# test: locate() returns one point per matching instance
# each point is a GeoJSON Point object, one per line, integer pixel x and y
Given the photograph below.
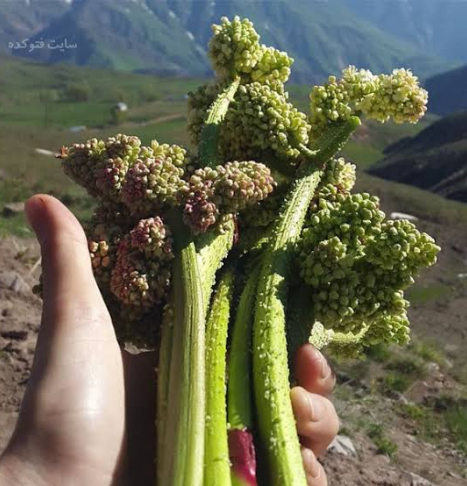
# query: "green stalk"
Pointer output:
{"type": "Point", "coordinates": [163, 376]}
{"type": "Point", "coordinates": [240, 403]}
{"type": "Point", "coordinates": [210, 251]}
{"type": "Point", "coordinates": [212, 248]}
{"type": "Point", "coordinates": [216, 460]}
{"type": "Point", "coordinates": [240, 399]}
{"type": "Point", "coordinates": [300, 319]}
{"type": "Point", "coordinates": [333, 140]}
{"type": "Point", "coordinates": [209, 145]}
{"type": "Point", "coordinates": [270, 367]}
{"type": "Point", "coordinates": [181, 402]}
{"type": "Point", "coordinates": [185, 419]}
{"type": "Point", "coordinates": [270, 361]}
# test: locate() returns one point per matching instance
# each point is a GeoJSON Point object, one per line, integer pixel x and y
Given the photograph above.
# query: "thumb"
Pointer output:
{"type": "Point", "coordinates": [73, 304]}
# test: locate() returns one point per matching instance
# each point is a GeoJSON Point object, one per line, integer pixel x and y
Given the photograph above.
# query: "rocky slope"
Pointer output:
{"type": "Point", "coordinates": [435, 159]}
{"type": "Point", "coordinates": [447, 91]}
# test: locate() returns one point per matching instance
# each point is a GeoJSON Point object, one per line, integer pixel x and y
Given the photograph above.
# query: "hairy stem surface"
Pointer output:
{"type": "Point", "coordinates": [216, 460]}
{"type": "Point", "coordinates": [185, 418]}
{"type": "Point", "coordinates": [270, 359]}
{"type": "Point", "coordinates": [240, 404]}
{"type": "Point", "coordinates": [209, 144]}
{"type": "Point", "coordinates": [240, 399]}
{"type": "Point", "coordinates": [163, 377]}
{"type": "Point", "coordinates": [271, 374]}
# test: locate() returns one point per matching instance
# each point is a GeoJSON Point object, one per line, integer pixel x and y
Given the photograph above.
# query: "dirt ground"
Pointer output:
{"type": "Point", "coordinates": [417, 461]}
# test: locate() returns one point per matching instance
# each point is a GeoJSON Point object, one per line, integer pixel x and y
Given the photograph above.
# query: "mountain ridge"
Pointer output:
{"type": "Point", "coordinates": [434, 160]}
{"type": "Point", "coordinates": [447, 91]}
{"type": "Point", "coordinates": [170, 36]}
{"type": "Point", "coordinates": [436, 26]}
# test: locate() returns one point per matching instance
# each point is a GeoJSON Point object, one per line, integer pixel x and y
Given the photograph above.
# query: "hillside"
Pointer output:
{"type": "Point", "coordinates": [62, 96]}
{"type": "Point", "coordinates": [448, 93]}
{"type": "Point", "coordinates": [435, 159]}
{"type": "Point", "coordinates": [20, 19]}
{"type": "Point", "coordinates": [436, 26]}
{"type": "Point", "coordinates": [170, 36]}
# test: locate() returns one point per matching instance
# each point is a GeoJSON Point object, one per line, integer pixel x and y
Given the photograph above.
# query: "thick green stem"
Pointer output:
{"type": "Point", "coordinates": [270, 361]}
{"type": "Point", "coordinates": [271, 374]}
{"type": "Point", "coordinates": [212, 248]}
{"type": "Point", "coordinates": [185, 419]}
{"type": "Point", "coordinates": [300, 318]}
{"type": "Point", "coordinates": [163, 377]}
{"type": "Point", "coordinates": [240, 399]}
{"type": "Point", "coordinates": [332, 140]}
{"type": "Point", "coordinates": [177, 332]}
{"type": "Point", "coordinates": [240, 402]}
{"type": "Point", "coordinates": [209, 144]}
{"type": "Point", "coordinates": [181, 403]}
{"type": "Point", "coordinates": [216, 460]}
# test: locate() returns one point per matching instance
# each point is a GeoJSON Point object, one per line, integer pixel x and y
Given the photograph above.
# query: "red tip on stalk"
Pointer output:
{"type": "Point", "coordinates": [242, 456]}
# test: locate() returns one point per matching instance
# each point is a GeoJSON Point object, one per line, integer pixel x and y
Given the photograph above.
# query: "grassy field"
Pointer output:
{"type": "Point", "coordinates": [38, 106]}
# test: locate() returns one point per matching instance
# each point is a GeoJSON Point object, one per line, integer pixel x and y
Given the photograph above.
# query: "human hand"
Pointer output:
{"type": "Point", "coordinates": [87, 417]}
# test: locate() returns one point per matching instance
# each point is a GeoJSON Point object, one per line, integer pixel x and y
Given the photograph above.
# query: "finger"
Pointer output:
{"type": "Point", "coordinates": [315, 474]}
{"type": "Point", "coordinates": [316, 419]}
{"type": "Point", "coordinates": [77, 352]}
{"type": "Point", "coordinates": [313, 371]}
{"type": "Point", "coordinates": [73, 304]}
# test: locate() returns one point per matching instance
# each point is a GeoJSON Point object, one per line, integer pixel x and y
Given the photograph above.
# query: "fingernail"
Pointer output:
{"type": "Point", "coordinates": [310, 463]}
{"type": "Point", "coordinates": [35, 214]}
{"type": "Point", "coordinates": [325, 369]}
{"type": "Point", "coordinates": [317, 409]}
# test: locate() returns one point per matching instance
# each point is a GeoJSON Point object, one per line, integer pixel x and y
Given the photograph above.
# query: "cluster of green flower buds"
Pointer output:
{"type": "Point", "coordinates": [340, 174]}
{"type": "Point", "coordinates": [273, 67]}
{"type": "Point", "coordinates": [262, 119]}
{"type": "Point", "coordinates": [235, 50]}
{"type": "Point", "coordinates": [225, 190]}
{"type": "Point", "coordinates": [234, 47]}
{"type": "Point", "coordinates": [358, 265]}
{"type": "Point", "coordinates": [199, 102]}
{"type": "Point", "coordinates": [397, 96]}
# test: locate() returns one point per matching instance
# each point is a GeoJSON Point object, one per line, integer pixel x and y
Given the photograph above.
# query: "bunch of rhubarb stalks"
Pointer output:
{"type": "Point", "coordinates": [228, 256]}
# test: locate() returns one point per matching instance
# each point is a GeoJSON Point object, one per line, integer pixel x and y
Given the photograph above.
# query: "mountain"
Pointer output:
{"type": "Point", "coordinates": [436, 26]}
{"type": "Point", "coordinates": [21, 19]}
{"type": "Point", "coordinates": [170, 36]}
{"type": "Point", "coordinates": [448, 93]}
{"type": "Point", "coordinates": [435, 159]}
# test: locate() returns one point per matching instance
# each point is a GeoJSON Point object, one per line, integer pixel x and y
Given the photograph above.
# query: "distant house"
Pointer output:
{"type": "Point", "coordinates": [122, 107]}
